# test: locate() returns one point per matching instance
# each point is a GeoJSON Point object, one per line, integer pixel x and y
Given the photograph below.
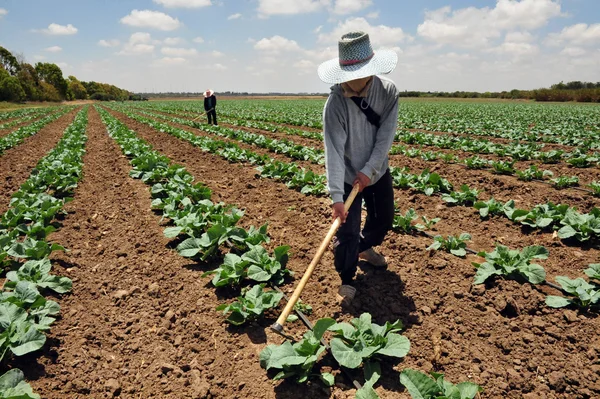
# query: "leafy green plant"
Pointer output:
{"type": "Point", "coordinates": [449, 158]}
{"type": "Point", "coordinates": [427, 223]}
{"type": "Point", "coordinates": [492, 207]}
{"type": "Point", "coordinates": [297, 360]}
{"type": "Point", "coordinates": [263, 268]}
{"type": "Point", "coordinates": [593, 271]}
{"type": "Point", "coordinates": [512, 263]}
{"type": "Point", "coordinates": [553, 156]}
{"type": "Point", "coordinates": [543, 215]}
{"type": "Point", "coordinates": [477, 163]}
{"type": "Point", "coordinates": [251, 305]}
{"type": "Point", "coordinates": [255, 264]}
{"type": "Point", "coordinates": [362, 341]}
{"type": "Point", "coordinates": [595, 187]}
{"type": "Point", "coordinates": [38, 273]}
{"type": "Point", "coordinates": [582, 160]}
{"type": "Point", "coordinates": [455, 245]}
{"type": "Point", "coordinates": [503, 167]}
{"type": "Point", "coordinates": [565, 181]}
{"type": "Point", "coordinates": [584, 294]}
{"type": "Point", "coordinates": [580, 226]}
{"type": "Point", "coordinates": [466, 195]}
{"type": "Point", "coordinates": [420, 386]}
{"type": "Point", "coordinates": [404, 223]}
{"type": "Point", "coordinates": [13, 386]}
{"type": "Point", "coordinates": [18, 334]}
{"type": "Point", "coordinates": [533, 172]}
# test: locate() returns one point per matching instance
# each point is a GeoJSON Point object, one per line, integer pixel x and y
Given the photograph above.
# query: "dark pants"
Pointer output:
{"type": "Point", "coordinates": [212, 116]}
{"type": "Point", "coordinates": [350, 241]}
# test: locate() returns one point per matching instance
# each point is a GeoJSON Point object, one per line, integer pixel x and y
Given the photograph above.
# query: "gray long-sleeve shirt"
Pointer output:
{"type": "Point", "coordinates": [352, 143]}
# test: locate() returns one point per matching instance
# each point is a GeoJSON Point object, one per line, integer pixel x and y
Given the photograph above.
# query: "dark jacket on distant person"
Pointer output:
{"type": "Point", "coordinates": [210, 102]}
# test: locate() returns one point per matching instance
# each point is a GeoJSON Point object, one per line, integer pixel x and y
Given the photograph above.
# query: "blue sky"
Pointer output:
{"type": "Point", "coordinates": [276, 45]}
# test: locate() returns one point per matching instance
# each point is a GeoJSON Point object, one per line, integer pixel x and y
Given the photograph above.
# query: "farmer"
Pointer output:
{"type": "Point", "coordinates": [210, 103]}
{"type": "Point", "coordinates": [359, 124]}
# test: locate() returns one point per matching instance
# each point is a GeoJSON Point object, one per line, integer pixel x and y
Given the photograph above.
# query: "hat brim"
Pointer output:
{"type": "Point", "coordinates": [383, 61]}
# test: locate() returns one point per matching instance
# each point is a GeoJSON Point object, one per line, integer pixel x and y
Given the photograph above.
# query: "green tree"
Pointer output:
{"type": "Point", "coordinates": [10, 88]}
{"type": "Point", "coordinates": [30, 82]}
{"type": "Point", "coordinates": [9, 62]}
{"type": "Point", "coordinates": [52, 74]}
{"type": "Point", "coordinates": [76, 90]}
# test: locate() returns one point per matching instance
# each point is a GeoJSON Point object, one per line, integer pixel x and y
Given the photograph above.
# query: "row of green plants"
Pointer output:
{"type": "Point", "coordinates": [22, 112]}
{"type": "Point", "coordinates": [306, 181]}
{"type": "Point", "coordinates": [32, 114]}
{"type": "Point", "coordinates": [35, 209]}
{"type": "Point", "coordinates": [256, 266]}
{"type": "Point", "coordinates": [286, 147]}
{"type": "Point", "coordinates": [17, 137]}
{"type": "Point", "coordinates": [516, 150]}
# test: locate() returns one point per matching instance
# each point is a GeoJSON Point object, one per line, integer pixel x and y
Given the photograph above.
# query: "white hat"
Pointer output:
{"type": "Point", "coordinates": [357, 60]}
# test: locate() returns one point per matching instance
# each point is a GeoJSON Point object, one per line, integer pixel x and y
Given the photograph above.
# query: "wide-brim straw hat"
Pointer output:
{"type": "Point", "coordinates": [208, 93]}
{"type": "Point", "coordinates": [357, 60]}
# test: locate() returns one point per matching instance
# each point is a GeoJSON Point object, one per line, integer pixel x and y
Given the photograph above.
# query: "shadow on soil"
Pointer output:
{"type": "Point", "coordinates": [380, 292]}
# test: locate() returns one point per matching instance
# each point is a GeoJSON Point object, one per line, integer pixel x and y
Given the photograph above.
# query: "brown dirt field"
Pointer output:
{"type": "Point", "coordinates": [17, 163]}
{"type": "Point", "coordinates": [162, 338]}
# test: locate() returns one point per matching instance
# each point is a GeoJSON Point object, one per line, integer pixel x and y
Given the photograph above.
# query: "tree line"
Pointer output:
{"type": "Point", "coordinates": [562, 92]}
{"type": "Point", "coordinates": [44, 81]}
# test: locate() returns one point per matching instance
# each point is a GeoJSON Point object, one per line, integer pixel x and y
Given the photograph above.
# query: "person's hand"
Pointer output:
{"type": "Point", "coordinates": [338, 210]}
{"type": "Point", "coordinates": [362, 180]}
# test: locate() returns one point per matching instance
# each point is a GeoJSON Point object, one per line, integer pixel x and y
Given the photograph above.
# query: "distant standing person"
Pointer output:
{"type": "Point", "coordinates": [359, 124]}
{"type": "Point", "coordinates": [210, 103]}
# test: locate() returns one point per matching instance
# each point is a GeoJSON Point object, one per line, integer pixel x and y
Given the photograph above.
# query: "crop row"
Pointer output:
{"type": "Point", "coordinates": [17, 137]}
{"type": "Point", "coordinates": [23, 112]}
{"type": "Point", "coordinates": [25, 313]}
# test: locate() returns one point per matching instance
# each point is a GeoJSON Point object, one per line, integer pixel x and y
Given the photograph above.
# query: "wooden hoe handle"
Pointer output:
{"type": "Point", "coordinates": [278, 326]}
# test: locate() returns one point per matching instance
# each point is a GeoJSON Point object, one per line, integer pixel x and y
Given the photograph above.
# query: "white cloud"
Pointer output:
{"type": "Point", "coordinates": [139, 43]}
{"type": "Point", "coordinates": [170, 61]}
{"type": "Point", "coordinates": [475, 27]}
{"type": "Point", "coordinates": [286, 7]}
{"type": "Point", "coordinates": [234, 16]}
{"type": "Point", "coordinates": [276, 44]}
{"type": "Point", "coordinates": [53, 49]}
{"type": "Point", "coordinates": [573, 51]}
{"type": "Point", "coordinates": [373, 15]}
{"type": "Point", "coordinates": [516, 49]}
{"type": "Point", "coordinates": [178, 51]}
{"type": "Point", "coordinates": [59, 30]}
{"type": "Point", "coordinates": [579, 35]}
{"type": "Point", "coordinates": [63, 65]}
{"type": "Point", "coordinates": [108, 43]}
{"type": "Point", "coordinates": [173, 41]}
{"type": "Point", "coordinates": [184, 3]}
{"type": "Point", "coordinates": [3, 12]}
{"type": "Point", "coordinates": [217, 54]}
{"type": "Point", "coordinates": [151, 19]}
{"type": "Point", "coordinates": [519, 37]}
{"type": "Point", "coordinates": [198, 40]}
{"type": "Point", "coordinates": [342, 7]}
{"type": "Point", "coordinates": [380, 35]}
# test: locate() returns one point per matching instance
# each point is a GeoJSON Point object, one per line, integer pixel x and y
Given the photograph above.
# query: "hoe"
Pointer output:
{"type": "Point", "coordinates": [278, 326]}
